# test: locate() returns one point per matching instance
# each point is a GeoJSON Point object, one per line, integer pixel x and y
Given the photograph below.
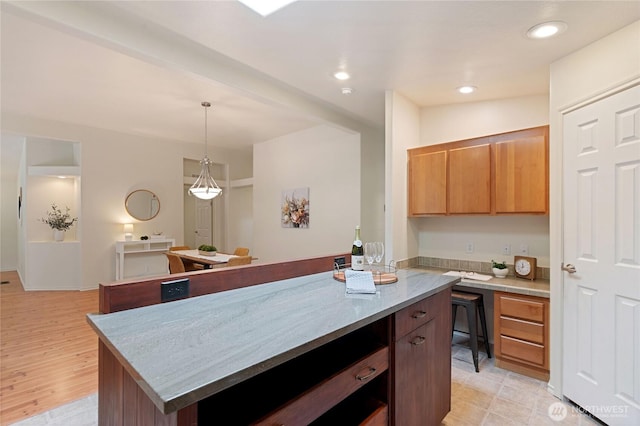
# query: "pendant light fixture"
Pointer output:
{"type": "Point", "coordinates": [205, 187]}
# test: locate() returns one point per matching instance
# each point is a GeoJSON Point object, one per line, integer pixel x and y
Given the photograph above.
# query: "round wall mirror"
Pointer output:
{"type": "Point", "coordinates": [142, 204]}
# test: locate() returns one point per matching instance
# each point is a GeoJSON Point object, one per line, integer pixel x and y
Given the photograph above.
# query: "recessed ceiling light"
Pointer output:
{"type": "Point", "coordinates": [342, 75]}
{"type": "Point", "coordinates": [265, 7]}
{"type": "Point", "coordinates": [467, 89]}
{"type": "Point", "coordinates": [547, 29]}
{"type": "Point", "coordinates": [346, 90]}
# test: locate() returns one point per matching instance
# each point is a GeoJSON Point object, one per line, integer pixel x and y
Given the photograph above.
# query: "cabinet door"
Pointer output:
{"type": "Point", "coordinates": [422, 367]}
{"type": "Point", "coordinates": [470, 179]}
{"type": "Point", "coordinates": [428, 183]}
{"type": "Point", "coordinates": [413, 382]}
{"type": "Point", "coordinates": [521, 184]}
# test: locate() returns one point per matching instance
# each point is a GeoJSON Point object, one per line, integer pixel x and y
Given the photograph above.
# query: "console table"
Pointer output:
{"type": "Point", "coordinates": [150, 246]}
{"type": "Point", "coordinates": [295, 350]}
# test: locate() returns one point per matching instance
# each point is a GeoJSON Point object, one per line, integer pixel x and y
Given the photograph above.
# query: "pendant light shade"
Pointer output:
{"type": "Point", "coordinates": [205, 187]}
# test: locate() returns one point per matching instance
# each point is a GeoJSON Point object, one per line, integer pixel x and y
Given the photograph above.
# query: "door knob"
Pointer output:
{"type": "Point", "coordinates": [569, 268]}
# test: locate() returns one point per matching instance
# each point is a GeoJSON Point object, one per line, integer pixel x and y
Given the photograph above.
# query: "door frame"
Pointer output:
{"type": "Point", "coordinates": [556, 228]}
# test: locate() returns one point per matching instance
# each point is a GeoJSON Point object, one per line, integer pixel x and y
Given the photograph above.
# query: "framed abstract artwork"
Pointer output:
{"type": "Point", "coordinates": [295, 208]}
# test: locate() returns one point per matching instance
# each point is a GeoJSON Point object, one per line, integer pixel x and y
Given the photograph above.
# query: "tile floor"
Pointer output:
{"type": "Point", "coordinates": [491, 397]}
{"type": "Point", "coordinates": [499, 397]}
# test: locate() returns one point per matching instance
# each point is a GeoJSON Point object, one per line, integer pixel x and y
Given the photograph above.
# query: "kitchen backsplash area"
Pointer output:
{"type": "Point", "coordinates": [462, 265]}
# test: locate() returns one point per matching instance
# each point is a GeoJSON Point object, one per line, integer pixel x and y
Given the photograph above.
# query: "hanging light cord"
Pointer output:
{"type": "Point", "coordinates": [206, 106]}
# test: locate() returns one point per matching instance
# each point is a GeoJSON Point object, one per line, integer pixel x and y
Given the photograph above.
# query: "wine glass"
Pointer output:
{"type": "Point", "coordinates": [369, 253]}
{"type": "Point", "coordinates": [379, 251]}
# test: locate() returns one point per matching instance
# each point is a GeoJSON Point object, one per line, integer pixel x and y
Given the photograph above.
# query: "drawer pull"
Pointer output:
{"type": "Point", "coordinates": [418, 340]}
{"type": "Point", "coordinates": [418, 314]}
{"type": "Point", "coordinates": [371, 372]}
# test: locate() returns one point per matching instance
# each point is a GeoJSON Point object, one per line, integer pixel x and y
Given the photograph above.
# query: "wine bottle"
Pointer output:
{"type": "Point", "coordinates": [357, 252]}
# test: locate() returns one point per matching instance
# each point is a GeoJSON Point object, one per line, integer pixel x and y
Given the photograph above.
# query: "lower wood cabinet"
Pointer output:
{"type": "Point", "coordinates": [422, 362]}
{"type": "Point", "coordinates": [521, 328]}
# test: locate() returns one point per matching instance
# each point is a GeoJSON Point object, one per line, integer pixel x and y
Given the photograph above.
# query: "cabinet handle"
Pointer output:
{"type": "Point", "coordinates": [418, 340]}
{"type": "Point", "coordinates": [371, 372]}
{"type": "Point", "coordinates": [418, 314]}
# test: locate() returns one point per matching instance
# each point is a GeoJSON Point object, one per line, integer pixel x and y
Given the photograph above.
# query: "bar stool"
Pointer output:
{"type": "Point", "coordinates": [474, 305]}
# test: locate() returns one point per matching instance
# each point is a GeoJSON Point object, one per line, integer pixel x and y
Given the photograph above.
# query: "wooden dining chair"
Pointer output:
{"type": "Point", "coordinates": [189, 265]}
{"type": "Point", "coordinates": [241, 251]}
{"type": "Point", "coordinates": [175, 263]}
{"type": "Point", "coordinates": [239, 260]}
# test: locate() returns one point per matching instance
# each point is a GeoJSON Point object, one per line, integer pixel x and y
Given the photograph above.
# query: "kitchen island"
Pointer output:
{"type": "Point", "coordinates": [290, 351]}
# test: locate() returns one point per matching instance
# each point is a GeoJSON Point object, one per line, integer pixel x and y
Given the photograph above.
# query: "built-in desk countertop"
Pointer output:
{"type": "Point", "coordinates": [537, 287]}
{"type": "Point", "coordinates": [183, 351]}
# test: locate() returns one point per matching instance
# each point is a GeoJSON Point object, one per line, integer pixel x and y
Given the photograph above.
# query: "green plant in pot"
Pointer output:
{"type": "Point", "coordinates": [207, 250]}
{"type": "Point", "coordinates": [500, 269]}
{"type": "Point", "coordinates": [59, 221]}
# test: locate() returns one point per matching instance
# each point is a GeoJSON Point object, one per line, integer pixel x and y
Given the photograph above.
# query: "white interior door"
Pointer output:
{"type": "Point", "coordinates": [203, 221]}
{"type": "Point", "coordinates": [601, 226]}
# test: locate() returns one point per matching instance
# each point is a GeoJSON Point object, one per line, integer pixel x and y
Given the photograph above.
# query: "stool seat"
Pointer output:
{"type": "Point", "coordinates": [474, 307]}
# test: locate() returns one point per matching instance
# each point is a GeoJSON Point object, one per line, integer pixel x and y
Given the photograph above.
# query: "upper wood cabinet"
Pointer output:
{"type": "Point", "coordinates": [522, 171]}
{"type": "Point", "coordinates": [428, 183]}
{"type": "Point", "coordinates": [506, 173]}
{"type": "Point", "coordinates": [470, 179]}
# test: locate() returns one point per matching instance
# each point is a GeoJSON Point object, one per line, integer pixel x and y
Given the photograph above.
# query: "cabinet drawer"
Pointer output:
{"type": "Point", "coordinates": [520, 329]}
{"type": "Point", "coordinates": [420, 313]}
{"type": "Point", "coordinates": [325, 395]}
{"type": "Point", "coordinates": [522, 351]}
{"type": "Point", "coordinates": [523, 308]}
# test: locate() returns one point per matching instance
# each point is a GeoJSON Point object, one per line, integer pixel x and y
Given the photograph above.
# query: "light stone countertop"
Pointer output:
{"type": "Point", "coordinates": [509, 284]}
{"type": "Point", "coordinates": [183, 351]}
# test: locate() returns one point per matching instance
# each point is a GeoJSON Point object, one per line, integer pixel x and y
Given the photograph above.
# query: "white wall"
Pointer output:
{"type": "Point", "coordinates": [592, 71]}
{"type": "Point", "coordinates": [402, 132]}
{"type": "Point", "coordinates": [446, 237]}
{"type": "Point", "coordinates": [448, 123]}
{"type": "Point", "coordinates": [372, 184]}
{"type": "Point", "coordinates": [113, 165]}
{"type": "Point", "coordinates": [240, 225]}
{"type": "Point", "coordinates": [327, 161]}
{"type": "Point", "coordinates": [10, 152]}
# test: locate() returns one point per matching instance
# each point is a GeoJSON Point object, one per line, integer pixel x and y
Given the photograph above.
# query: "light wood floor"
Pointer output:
{"type": "Point", "coordinates": [48, 352]}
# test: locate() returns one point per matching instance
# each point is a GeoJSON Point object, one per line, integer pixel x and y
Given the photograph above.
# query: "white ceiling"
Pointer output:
{"type": "Point", "coordinates": [422, 49]}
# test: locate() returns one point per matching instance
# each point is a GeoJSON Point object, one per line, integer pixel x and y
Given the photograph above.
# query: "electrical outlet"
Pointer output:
{"type": "Point", "coordinates": [506, 249]}
{"type": "Point", "coordinates": [173, 290]}
{"type": "Point", "coordinates": [469, 248]}
{"type": "Point", "coordinates": [524, 249]}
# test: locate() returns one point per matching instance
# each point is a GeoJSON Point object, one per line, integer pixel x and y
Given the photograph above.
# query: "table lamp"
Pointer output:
{"type": "Point", "coordinates": [128, 231]}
